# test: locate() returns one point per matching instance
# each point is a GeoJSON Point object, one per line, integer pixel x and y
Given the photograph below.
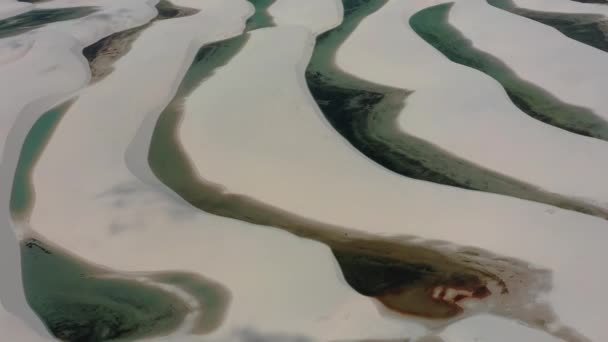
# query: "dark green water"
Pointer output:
{"type": "Point", "coordinates": [587, 28]}
{"type": "Point", "coordinates": [432, 25]}
{"type": "Point", "coordinates": [37, 18]}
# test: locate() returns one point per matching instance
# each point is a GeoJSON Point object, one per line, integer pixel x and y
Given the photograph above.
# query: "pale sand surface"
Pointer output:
{"type": "Point", "coordinates": [456, 108]}
{"type": "Point", "coordinates": [295, 161]}
{"type": "Point", "coordinates": [88, 202]}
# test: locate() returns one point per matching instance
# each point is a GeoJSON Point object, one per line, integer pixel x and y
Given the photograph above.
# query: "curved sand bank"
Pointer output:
{"type": "Point", "coordinates": [277, 139]}
{"type": "Point", "coordinates": [432, 25]}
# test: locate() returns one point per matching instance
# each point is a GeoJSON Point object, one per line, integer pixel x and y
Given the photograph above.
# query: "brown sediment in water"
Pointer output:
{"type": "Point", "coordinates": [105, 52]}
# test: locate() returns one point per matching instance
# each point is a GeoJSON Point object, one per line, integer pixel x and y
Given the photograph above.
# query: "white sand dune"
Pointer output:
{"type": "Point", "coordinates": [294, 160]}
{"type": "Point", "coordinates": [89, 202]}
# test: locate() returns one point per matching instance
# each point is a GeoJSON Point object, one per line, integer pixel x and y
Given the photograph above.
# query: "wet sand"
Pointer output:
{"type": "Point", "coordinates": [37, 18]}
{"type": "Point", "coordinates": [401, 273]}
{"type": "Point", "coordinates": [105, 52]}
